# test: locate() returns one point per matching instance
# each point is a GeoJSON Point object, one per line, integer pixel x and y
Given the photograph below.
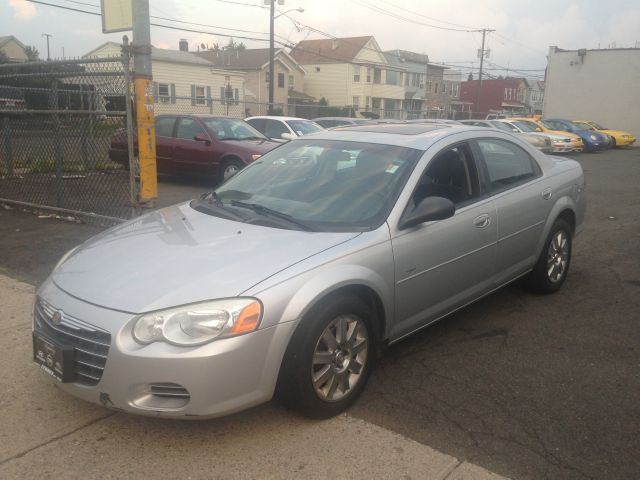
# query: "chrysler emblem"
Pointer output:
{"type": "Point", "coordinates": [56, 318]}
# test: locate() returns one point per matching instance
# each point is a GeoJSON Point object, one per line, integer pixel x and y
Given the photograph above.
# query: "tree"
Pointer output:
{"type": "Point", "coordinates": [233, 46]}
{"type": "Point", "coordinates": [3, 57]}
{"type": "Point", "coordinates": [32, 53]}
{"type": "Point", "coordinates": [470, 77]}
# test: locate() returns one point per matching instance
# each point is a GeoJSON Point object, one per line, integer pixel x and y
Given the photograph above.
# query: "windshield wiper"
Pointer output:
{"type": "Point", "coordinates": [266, 211]}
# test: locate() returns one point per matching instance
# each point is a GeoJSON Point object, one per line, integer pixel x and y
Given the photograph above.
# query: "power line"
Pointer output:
{"type": "Point", "coordinates": [427, 17]}
{"type": "Point", "coordinates": [410, 20]}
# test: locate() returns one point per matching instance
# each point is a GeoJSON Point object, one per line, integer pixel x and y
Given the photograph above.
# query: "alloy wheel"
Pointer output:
{"type": "Point", "coordinates": [557, 256]}
{"type": "Point", "coordinates": [339, 358]}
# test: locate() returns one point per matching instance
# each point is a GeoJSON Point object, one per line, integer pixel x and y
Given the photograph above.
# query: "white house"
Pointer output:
{"type": "Point", "coordinates": [186, 83]}
{"type": "Point", "coordinates": [352, 71]}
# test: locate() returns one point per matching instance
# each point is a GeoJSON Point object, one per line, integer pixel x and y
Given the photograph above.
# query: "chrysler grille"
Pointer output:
{"type": "Point", "coordinates": [90, 344]}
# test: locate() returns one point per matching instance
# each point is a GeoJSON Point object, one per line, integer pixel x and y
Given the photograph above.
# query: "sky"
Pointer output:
{"type": "Point", "coordinates": [524, 29]}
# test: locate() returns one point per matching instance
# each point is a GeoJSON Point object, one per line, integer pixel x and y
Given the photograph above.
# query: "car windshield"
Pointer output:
{"type": "Point", "coordinates": [231, 129]}
{"type": "Point", "coordinates": [583, 126]}
{"type": "Point", "coordinates": [326, 185]}
{"type": "Point", "coordinates": [304, 127]}
{"type": "Point", "coordinates": [526, 126]}
{"type": "Point", "coordinates": [598, 126]}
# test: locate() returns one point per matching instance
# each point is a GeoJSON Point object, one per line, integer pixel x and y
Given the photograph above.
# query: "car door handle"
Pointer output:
{"type": "Point", "coordinates": [482, 221]}
{"type": "Point", "coordinates": [547, 193]}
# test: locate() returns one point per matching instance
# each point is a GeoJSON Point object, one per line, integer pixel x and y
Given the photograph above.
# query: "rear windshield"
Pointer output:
{"type": "Point", "coordinates": [231, 129]}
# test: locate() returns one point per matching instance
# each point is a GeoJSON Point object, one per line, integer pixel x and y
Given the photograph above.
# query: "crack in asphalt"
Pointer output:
{"type": "Point", "coordinates": [56, 438]}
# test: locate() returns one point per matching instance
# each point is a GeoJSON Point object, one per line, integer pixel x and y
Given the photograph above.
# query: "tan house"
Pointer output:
{"type": "Point", "coordinates": [289, 75]}
{"type": "Point", "coordinates": [14, 49]}
{"type": "Point", "coordinates": [352, 72]}
{"type": "Point", "coordinates": [186, 83]}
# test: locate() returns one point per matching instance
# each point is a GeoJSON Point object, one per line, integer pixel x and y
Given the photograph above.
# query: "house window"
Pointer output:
{"type": "Point", "coordinates": [281, 80]}
{"type": "Point", "coordinates": [368, 75]}
{"type": "Point", "coordinates": [367, 102]}
{"type": "Point", "coordinates": [356, 102]}
{"type": "Point", "coordinates": [392, 77]}
{"type": "Point", "coordinates": [377, 75]}
{"type": "Point", "coordinates": [356, 73]}
{"type": "Point", "coordinates": [163, 93]}
{"type": "Point", "coordinates": [435, 88]}
{"type": "Point", "coordinates": [267, 77]}
{"type": "Point", "coordinates": [199, 95]}
{"type": "Point", "coordinates": [429, 86]}
{"type": "Point", "coordinates": [291, 80]}
{"type": "Point", "coordinates": [317, 69]}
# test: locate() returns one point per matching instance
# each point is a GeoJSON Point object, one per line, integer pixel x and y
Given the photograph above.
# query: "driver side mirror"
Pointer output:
{"type": "Point", "coordinates": [202, 138]}
{"type": "Point", "coordinates": [288, 136]}
{"type": "Point", "coordinates": [428, 210]}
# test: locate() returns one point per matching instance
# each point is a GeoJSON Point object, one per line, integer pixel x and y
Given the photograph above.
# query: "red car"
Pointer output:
{"type": "Point", "coordinates": [199, 145]}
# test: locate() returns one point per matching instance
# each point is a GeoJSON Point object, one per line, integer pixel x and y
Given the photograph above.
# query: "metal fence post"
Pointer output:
{"type": "Point", "coordinates": [83, 132]}
{"type": "Point", "coordinates": [8, 152]}
{"type": "Point", "coordinates": [57, 144]}
{"type": "Point", "coordinates": [133, 186]}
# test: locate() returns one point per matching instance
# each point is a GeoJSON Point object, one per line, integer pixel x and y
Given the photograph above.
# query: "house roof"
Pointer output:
{"type": "Point", "coordinates": [7, 38]}
{"type": "Point", "coordinates": [329, 50]}
{"type": "Point", "coordinates": [400, 56]}
{"type": "Point", "coordinates": [248, 59]}
{"type": "Point", "coordinates": [160, 54]}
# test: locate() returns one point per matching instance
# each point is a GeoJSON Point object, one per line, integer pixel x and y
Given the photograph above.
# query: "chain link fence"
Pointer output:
{"type": "Point", "coordinates": [56, 123]}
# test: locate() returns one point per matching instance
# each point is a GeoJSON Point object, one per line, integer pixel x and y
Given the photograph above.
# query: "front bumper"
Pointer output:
{"type": "Point", "coordinates": [219, 378]}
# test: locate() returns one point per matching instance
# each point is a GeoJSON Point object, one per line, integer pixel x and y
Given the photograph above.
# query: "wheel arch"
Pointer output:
{"type": "Point", "coordinates": [564, 208]}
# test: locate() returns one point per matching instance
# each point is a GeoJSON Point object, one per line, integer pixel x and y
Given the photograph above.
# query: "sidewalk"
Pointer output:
{"type": "Point", "coordinates": [46, 432]}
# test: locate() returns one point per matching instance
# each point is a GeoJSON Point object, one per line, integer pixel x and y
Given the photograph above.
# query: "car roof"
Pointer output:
{"type": "Point", "coordinates": [278, 117]}
{"type": "Point", "coordinates": [416, 135]}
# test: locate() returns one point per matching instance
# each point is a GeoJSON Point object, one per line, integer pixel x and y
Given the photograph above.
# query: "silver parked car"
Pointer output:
{"type": "Point", "coordinates": [293, 275]}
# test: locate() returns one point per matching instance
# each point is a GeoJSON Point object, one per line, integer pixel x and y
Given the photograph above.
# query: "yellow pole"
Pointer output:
{"type": "Point", "coordinates": [143, 90]}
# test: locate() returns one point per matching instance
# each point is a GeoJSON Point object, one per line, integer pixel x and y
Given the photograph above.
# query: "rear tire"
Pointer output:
{"type": "Point", "coordinates": [552, 266]}
{"type": "Point", "coordinates": [329, 358]}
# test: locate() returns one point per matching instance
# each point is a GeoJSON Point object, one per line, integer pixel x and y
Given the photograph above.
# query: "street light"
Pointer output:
{"type": "Point", "coordinates": [271, 46]}
{"type": "Point", "coordinates": [48, 35]}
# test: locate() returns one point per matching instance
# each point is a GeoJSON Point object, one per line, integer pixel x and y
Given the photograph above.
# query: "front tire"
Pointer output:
{"type": "Point", "coordinates": [329, 358]}
{"type": "Point", "coordinates": [229, 168]}
{"type": "Point", "coordinates": [552, 266]}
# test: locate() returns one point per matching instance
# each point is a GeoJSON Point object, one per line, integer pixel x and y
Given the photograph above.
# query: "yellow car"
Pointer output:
{"type": "Point", "coordinates": [537, 126]}
{"type": "Point", "coordinates": [620, 138]}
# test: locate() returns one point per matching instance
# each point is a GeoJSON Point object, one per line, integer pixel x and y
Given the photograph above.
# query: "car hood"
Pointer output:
{"type": "Point", "coordinates": [177, 255]}
{"type": "Point", "coordinates": [254, 146]}
{"type": "Point", "coordinates": [586, 135]}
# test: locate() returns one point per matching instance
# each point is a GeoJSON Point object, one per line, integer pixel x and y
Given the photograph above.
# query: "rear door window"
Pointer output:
{"type": "Point", "coordinates": [507, 164]}
{"type": "Point", "coordinates": [164, 126]}
{"type": "Point", "coordinates": [258, 124]}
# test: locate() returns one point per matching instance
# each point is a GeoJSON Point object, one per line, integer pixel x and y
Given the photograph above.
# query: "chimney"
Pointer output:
{"type": "Point", "coordinates": [334, 44]}
{"type": "Point", "coordinates": [183, 45]}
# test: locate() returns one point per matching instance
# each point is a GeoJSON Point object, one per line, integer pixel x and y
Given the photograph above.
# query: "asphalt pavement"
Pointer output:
{"type": "Point", "coordinates": [526, 386]}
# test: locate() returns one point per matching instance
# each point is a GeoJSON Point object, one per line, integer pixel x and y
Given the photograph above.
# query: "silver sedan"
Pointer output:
{"type": "Point", "coordinates": [292, 276]}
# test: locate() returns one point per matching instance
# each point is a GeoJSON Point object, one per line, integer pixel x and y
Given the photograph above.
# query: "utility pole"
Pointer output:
{"type": "Point", "coordinates": [144, 107]}
{"type": "Point", "coordinates": [484, 33]}
{"type": "Point", "coordinates": [48, 35]}
{"type": "Point", "coordinates": [272, 8]}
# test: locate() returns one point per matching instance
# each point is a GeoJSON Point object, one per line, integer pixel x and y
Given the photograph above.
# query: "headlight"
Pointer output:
{"type": "Point", "coordinates": [199, 323]}
{"type": "Point", "coordinates": [593, 137]}
{"type": "Point", "coordinates": [66, 256]}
